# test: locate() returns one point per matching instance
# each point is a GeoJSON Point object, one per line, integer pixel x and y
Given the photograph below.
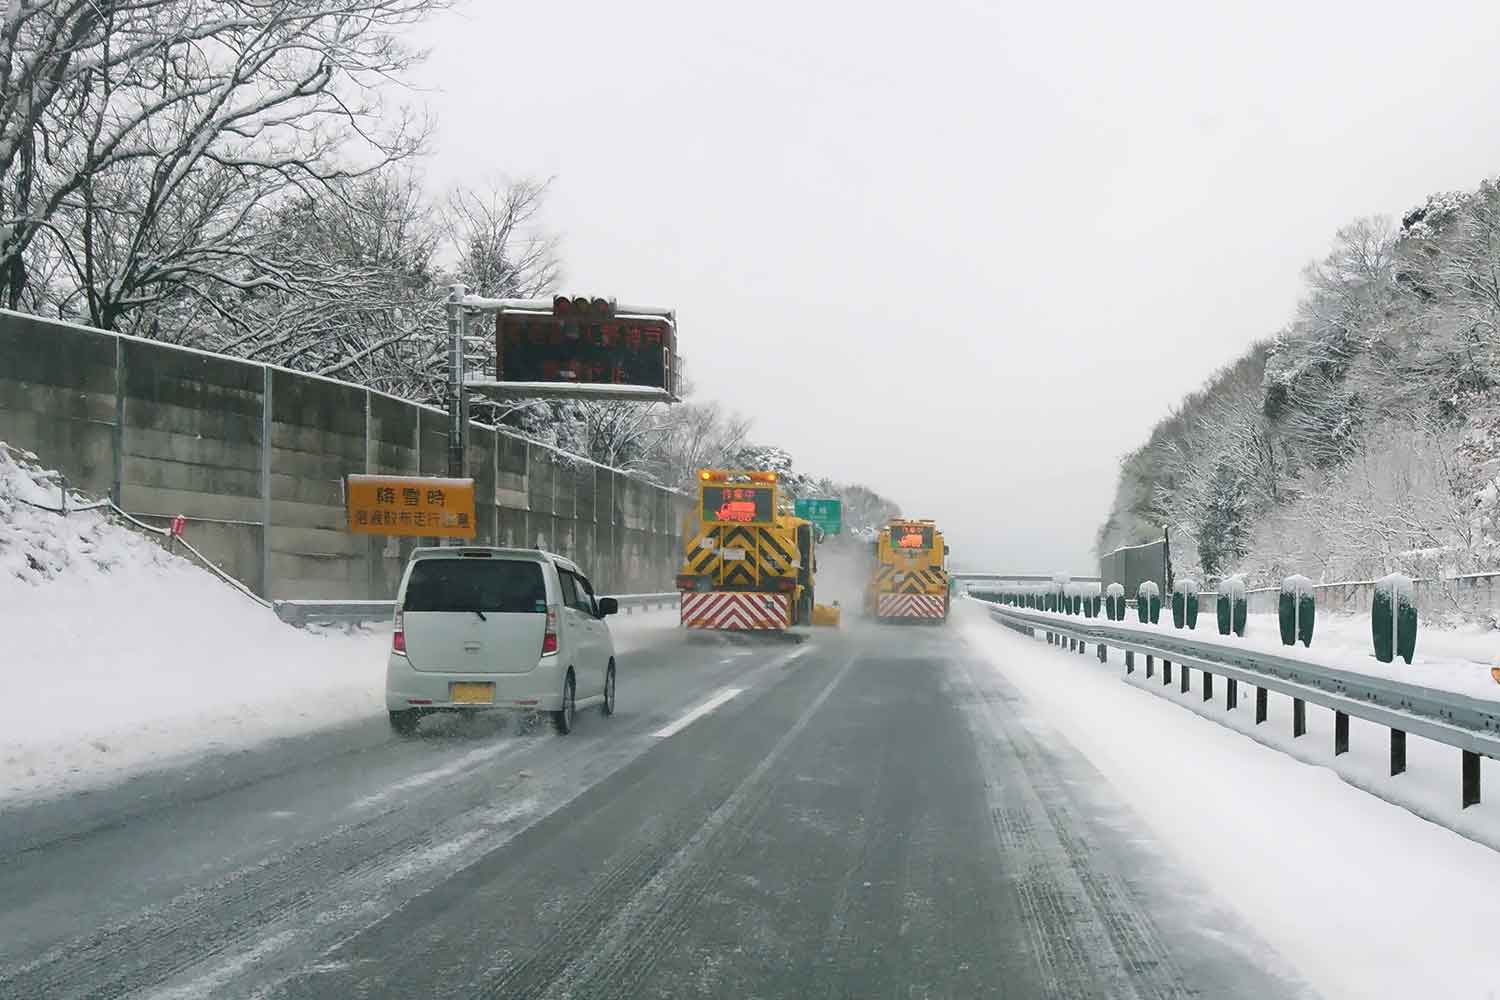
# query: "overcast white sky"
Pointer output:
{"type": "Point", "coordinates": [967, 253]}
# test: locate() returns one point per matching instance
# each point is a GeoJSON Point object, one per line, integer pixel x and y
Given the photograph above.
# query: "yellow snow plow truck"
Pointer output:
{"type": "Point", "coordinates": [747, 562]}
{"type": "Point", "coordinates": [909, 581]}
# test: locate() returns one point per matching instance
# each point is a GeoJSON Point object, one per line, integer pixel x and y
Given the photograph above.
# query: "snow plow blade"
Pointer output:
{"type": "Point", "coordinates": [826, 616]}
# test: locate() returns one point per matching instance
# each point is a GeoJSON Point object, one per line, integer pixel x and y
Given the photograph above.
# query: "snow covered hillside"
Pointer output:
{"type": "Point", "coordinates": [1362, 439]}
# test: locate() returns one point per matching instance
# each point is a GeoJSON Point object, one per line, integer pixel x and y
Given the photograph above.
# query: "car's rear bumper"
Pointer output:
{"type": "Point", "coordinates": [538, 690]}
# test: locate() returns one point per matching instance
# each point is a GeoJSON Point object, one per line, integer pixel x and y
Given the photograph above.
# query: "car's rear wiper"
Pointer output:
{"type": "Point", "coordinates": [480, 614]}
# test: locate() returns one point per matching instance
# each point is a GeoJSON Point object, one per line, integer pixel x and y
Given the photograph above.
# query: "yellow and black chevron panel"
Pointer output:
{"type": "Point", "coordinates": [776, 555]}
{"type": "Point", "coordinates": [703, 559]}
{"type": "Point", "coordinates": [745, 571]}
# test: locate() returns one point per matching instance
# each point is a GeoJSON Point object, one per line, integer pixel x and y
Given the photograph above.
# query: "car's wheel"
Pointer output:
{"type": "Point", "coordinates": [609, 689]}
{"type": "Point", "coordinates": [563, 717]}
{"type": "Point", "coordinates": [404, 722]}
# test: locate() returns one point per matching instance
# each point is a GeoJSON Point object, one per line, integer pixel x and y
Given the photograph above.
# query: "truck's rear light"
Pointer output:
{"type": "Point", "coordinates": [786, 586]}
{"type": "Point", "coordinates": [549, 640]}
{"type": "Point", "coordinates": [398, 636]}
{"type": "Point", "coordinates": [419, 701]}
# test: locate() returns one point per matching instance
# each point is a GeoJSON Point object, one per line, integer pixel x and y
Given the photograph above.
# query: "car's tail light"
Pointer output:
{"type": "Point", "coordinates": [549, 640]}
{"type": "Point", "coordinates": [398, 636]}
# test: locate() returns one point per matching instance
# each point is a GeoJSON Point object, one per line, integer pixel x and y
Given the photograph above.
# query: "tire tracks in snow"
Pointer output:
{"type": "Point", "coordinates": [1089, 931]}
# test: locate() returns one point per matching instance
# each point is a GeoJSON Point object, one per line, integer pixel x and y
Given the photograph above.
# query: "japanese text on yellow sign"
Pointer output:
{"type": "Point", "coordinates": [423, 507]}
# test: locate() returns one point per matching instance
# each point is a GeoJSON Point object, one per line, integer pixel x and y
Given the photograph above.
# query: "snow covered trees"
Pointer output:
{"type": "Point", "coordinates": [138, 138]}
{"type": "Point", "coordinates": [1362, 439]}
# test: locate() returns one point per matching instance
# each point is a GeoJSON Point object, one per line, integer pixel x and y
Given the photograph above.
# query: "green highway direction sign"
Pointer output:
{"type": "Point", "coordinates": [826, 514]}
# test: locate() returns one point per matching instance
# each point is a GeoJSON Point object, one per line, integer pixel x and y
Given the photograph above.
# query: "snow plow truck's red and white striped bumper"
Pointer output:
{"type": "Point", "coordinates": [723, 610]}
{"type": "Point", "coordinates": [910, 606]}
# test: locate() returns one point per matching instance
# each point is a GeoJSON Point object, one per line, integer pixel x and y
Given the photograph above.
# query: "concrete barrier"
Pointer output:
{"type": "Point", "coordinates": [255, 456]}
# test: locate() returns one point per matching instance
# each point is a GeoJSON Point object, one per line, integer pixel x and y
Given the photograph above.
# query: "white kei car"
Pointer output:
{"type": "Point", "coordinates": [489, 628]}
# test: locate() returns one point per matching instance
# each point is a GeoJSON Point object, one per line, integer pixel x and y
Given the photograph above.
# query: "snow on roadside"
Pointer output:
{"type": "Point", "coordinates": [639, 629]}
{"type": "Point", "coordinates": [120, 657]}
{"type": "Point", "coordinates": [1365, 898]}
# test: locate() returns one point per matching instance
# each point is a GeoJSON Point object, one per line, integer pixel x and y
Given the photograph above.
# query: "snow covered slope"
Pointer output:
{"type": "Point", "coordinates": [116, 656]}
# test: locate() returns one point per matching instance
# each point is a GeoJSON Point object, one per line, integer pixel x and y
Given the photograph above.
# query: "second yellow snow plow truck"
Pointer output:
{"type": "Point", "coordinates": [909, 581]}
{"type": "Point", "coordinates": [748, 562]}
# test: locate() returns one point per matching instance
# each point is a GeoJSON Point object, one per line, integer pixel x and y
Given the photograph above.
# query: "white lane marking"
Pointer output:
{"type": "Point", "coordinates": [644, 906]}
{"type": "Point", "coordinates": [693, 715]}
{"type": "Point", "coordinates": [512, 745]}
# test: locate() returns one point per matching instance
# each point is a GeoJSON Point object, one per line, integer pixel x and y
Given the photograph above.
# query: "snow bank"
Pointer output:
{"type": "Point", "coordinates": [120, 656]}
{"type": "Point", "coordinates": [1365, 898]}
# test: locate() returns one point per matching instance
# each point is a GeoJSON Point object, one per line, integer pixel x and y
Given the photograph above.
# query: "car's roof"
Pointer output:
{"type": "Point", "coordinates": [494, 552]}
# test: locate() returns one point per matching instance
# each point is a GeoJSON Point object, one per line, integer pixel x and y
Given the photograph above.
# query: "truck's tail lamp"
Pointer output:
{"type": "Point", "coordinates": [398, 635]}
{"type": "Point", "coordinates": [549, 639]}
{"type": "Point", "coordinates": [689, 582]}
{"type": "Point", "coordinates": [785, 584]}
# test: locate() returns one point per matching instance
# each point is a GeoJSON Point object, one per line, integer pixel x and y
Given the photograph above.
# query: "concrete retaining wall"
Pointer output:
{"type": "Point", "coordinates": [255, 457]}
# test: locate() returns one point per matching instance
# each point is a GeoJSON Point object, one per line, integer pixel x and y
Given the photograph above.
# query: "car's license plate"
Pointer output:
{"type": "Point", "coordinates": [473, 693]}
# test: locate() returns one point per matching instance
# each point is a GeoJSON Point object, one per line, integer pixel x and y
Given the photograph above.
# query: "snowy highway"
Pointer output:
{"type": "Point", "coordinates": [869, 809]}
{"type": "Point", "coordinates": [952, 811]}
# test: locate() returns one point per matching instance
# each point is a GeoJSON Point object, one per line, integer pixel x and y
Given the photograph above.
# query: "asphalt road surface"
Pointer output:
{"type": "Point", "coordinates": [869, 812]}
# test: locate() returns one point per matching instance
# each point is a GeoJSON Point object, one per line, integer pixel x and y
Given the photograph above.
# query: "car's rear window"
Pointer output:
{"type": "Point", "coordinates": [505, 585]}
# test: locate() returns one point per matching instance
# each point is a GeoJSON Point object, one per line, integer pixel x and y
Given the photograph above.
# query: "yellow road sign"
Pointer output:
{"type": "Point", "coordinates": [426, 507]}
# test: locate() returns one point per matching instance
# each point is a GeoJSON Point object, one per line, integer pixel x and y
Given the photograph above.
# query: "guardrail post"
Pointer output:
{"type": "Point", "coordinates": [1186, 676]}
{"type": "Point", "coordinates": [1166, 672]}
{"type": "Point", "coordinates": [1398, 752]}
{"type": "Point", "coordinates": [1340, 732]}
{"type": "Point", "coordinates": [1299, 718]}
{"type": "Point", "coordinates": [1260, 705]}
{"type": "Point", "coordinates": [1150, 666]}
{"type": "Point", "coordinates": [1471, 778]}
{"type": "Point", "coordinates": [1130, 661]}
{"type": "Point", "coordinates": [1232, 694]}
{"type": "Point", "coordinates": [1208, 685]}
{"type": "Point", "coordinates": [1103, 652]}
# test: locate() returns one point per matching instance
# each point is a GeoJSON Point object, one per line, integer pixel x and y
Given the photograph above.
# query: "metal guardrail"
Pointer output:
{"type": "Point", "coordinates": [1017, 577]}
{"type": "Point", "coordinates": [301, 613]}
{"type": "Point", "coordinates": [1471, 725]}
